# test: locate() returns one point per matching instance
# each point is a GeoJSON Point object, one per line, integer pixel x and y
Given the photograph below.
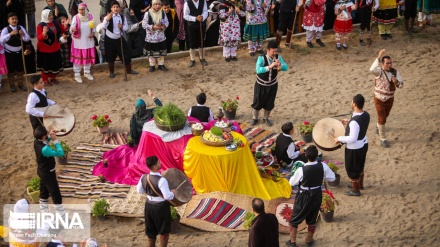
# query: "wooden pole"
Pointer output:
{"type": "Point", "coordinates": [293, 30]}
{"type": "Point", "coordinates": [201, 46]}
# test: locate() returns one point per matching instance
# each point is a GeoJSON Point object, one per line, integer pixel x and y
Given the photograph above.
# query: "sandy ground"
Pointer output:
{"type": "Point", "coordinates": [399, 204]}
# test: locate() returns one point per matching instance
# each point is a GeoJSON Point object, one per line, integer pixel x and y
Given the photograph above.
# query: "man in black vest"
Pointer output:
{"type": "Point", "coordinates": [157, 208]}
{"type": "Point", "coordinates": [195, 12]}
{"type": "Point", "coordinates": [285, 149]}
{"type": "Point", "coordinates": [266, 85]}
{"type": "Point", "coordinates": [37, 98]}
{"type": "Point", "coordinates": [46, 168]}
{"type": "Point", "coordinates": [12, 36]}
{"type": "Point", "coordinates": [200, 111]}
{"type": "Point", "coordinates": [309, 197]}
{"type": "Point", "coordinates": [287, 14]}
{"type": "Point", "coordinates": [357, 145]}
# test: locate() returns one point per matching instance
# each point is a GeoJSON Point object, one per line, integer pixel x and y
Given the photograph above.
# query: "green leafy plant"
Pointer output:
{"type": "Point", "coordinates": [333, 165]}
{"type": "Point", "coordinates": [328, 202]}
{"type": "Point", "coordinates": [64, 146]}
{"type": "Point", "coordinates": [305, 128]}
{"type": "Point", "coordinates": [247, 220]}
{"type": "Point", "coordinates": [130, 139]}
{"type": "Point", "coordinates": [230, 104]}
{"type": "Point", "coordinates": [100, 208]}
{"type": "Point", "coordinates": [34, 184]}
{"type": "Point", "coordinates": [101, 121]}
{"type": "Point", "coordinates": [217, 131]}
{"type": "Point", "coordinates": [174, 214]}
{"type": "Point", "coordinates": [258, 154]}
{"type": "Point", "coordinates": [169, 115]}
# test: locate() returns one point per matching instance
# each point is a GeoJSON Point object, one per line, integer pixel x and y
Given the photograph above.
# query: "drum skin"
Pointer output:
{"type": "Point", "coordinates": [64, 119]}
{"type": "Point", "coordinates": [177, 179]}
{"type": "Point", "coordinates": [324, 132]}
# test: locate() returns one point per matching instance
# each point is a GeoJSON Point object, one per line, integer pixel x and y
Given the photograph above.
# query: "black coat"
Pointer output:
{"type": "Point", "coordinates": [264, 231]}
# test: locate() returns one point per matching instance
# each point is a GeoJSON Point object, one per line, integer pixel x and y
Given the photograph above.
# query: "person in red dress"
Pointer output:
{"type": "Point", "coordinates": [343, 23]}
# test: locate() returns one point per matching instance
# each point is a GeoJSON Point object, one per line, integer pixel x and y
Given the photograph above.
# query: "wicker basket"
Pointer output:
{"type": "Point", "coordinates": [170, 128]}
{"type": "Point", "coordinates": [196, 132]}
{"type": "Point", "coordinates": [215, 144]}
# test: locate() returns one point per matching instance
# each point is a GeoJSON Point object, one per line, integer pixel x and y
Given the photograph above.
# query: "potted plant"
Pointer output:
{"type": "Point", "coordinates": [130, 141]}
{"type": "Point", "coordinates": [100, 209]}
{"type": "Point", "coordinates": [101, 123]}
{"type": "Point", "coordinates": [169, 117]}
{"type": "Point", "coordinates": [62, 160]}
{"type": "Point", "coordinates": [248, 219]}
{"type": "Point", "coordinates": [230, 107]}
{"type": "Point", "coordinates": [258, 156]}
{"type": "Point", "coordinates": [327, 208]}
{"type": "Point", "coordinates": [333, 165]}
{"type": "Point", "coordinates": [305, 129]}
{"type": "Point", "coordinates": [175, 220]}
{"type": "Point", "coordinates": [33, 189]}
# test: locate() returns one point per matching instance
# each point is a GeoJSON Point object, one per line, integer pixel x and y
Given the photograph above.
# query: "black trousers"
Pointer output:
{"type": "Point", "coordinates": [113, 48]}
{"type": "Point", "coordinates": [355, 161]}
{"type": "Point", "coordinates": [49, 187]}
{"type": "Point", "coordinates": [14, 61]}
{"type": "Point", "coordinates": [264, 97]}
{"type": "Point", "coordinates": [286, 21]}
{"type": "Point", "coordinates": [157, 219]}
{"type": "Point", "coordinates": [35, 122]}
{"type": "Point", "coordinates": [365, 17]}
{"type": "Point", "coordinates": [306, 207]}
{"type": "Point", "coordinates": [194, 34]}
{"type": "Point", "coordinates": [410, 9]}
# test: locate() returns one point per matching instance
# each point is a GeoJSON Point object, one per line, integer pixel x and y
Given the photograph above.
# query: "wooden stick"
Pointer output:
{"type": "Point", "coordinates": [123, 60]}
{"type": "Point", "coordinates": [371, 24]}
{"type": "Point", "coordinates": [55, 117]}
{"type": "Point", "coordinates": [293, 30]}
{"type": "Point", "coordinates": [24, 63]}
{"type": "Point", "coordinates": [181, 184]}
{"type": "Point", "coordinates": [201, 46]}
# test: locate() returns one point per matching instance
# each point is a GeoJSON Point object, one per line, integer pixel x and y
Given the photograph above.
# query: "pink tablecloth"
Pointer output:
{"type": "Point", "coordinates": [126, 165]}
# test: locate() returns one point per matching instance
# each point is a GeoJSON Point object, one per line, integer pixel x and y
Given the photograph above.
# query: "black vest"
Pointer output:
{"type": "Point", "coordinates": [270, 77]}
{"type": "Point", "coordinates": [154, 180]}
{"type": "Point", "coordinates": [363, 121]}
{"type": "Point", "coordinates": [43, 99]}
{"type": "Point", "coordinates": [313, 175]}
{"type": "Point", "coordinates": [110, 24]}
{"type": "Point", "coordinates": [200, 112]}
{"type": "Point", "coordinates": [45, 164]}
{"type": "Point", "coordinates": [193, 11]}
{"type": "Point", "coordinates": [282, 144]}
{"type": "Point", "coordinates": [52, 35]}
{"type": "Point", "coordinates": [363, 3]}
{"type": "Point", "coordinates": [150, 19]}
{"type": "Point", "coordinates": [14, 40]}
{"type": "Point", "coordinates": [287, 6]}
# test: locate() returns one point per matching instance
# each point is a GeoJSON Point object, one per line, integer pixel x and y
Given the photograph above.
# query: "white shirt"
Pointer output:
{"type": "Point", "coordinates": [5, 38]}
{"type": "Point", "coordinates": [291, 150]}
{"type": "Point", "coordinates": [210, 118]}
{"type": "Point", "coordinates": [32, 100]}
{"type": "Point", "coordinates": [116, 32]}
{"type": "Point", "coordinates": [163, 186]}
{"type": "Point", "coordinates": [329, 175]}
{"type": "Point", "coordinates": [189, 17]}
{"type": "Point", "coordinates": [352, 139]}
{"type": "Point", "coordinates": [100, 30]}
{"type": "Point", "coordinates": [84, 42]}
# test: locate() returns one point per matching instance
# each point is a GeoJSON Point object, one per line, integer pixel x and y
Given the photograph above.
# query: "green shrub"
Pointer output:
{"type": "Point", "coordinates": [100, 208]}
{"type": "Point", "coordinates": [34, 184]}
{"type": "Point", "coordinates": [174, 215]}
{"type": "Point", "coordinates": [247, 220]}
{"type": "Point", "coordinates": [169, 115]}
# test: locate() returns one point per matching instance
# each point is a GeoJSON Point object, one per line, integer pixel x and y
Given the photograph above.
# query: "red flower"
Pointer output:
{"type": "Point", "coordinates": [223, 101]}
{"type": "Point", "coordinates": [269, 172]}
{"type": "Point", "coordinates": [94, 117]}
{"type": "Point", "coordinates": [229, 99]}
{"type": "Point", "coordinates": [109, 120]}
{"type": "Point", "coordinates": [237, 97]}
{"type": "Point", "coordinates": [106, 116]}
{"type": "Point", "coordinates": [305, 122]}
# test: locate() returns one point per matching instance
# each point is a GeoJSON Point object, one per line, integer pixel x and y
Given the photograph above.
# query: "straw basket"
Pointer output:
{"type": "Point", "coordinates": [196, 132]}
{"type": "Point", "coordinates": [215, 144]}
{"type": "Point", "coordinates": [35, 195]}
{"type": "Point", "coordinates": [170, 128]}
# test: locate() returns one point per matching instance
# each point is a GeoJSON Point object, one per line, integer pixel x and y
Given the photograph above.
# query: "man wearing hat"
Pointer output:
{"type": "Point", "coordinates": [357, 144]}
{"type": "Point", "coordinates": [196, 12]}
{"type": "Point", "coordinates": [266, 85]}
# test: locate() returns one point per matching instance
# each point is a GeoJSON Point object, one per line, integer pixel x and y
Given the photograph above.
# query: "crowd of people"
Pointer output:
{"type": "Point", "coordinates": [72, 37]}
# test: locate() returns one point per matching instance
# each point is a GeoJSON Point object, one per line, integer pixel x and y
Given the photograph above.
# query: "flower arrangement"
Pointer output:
{"type": "Point", "coordinates": [101, 121]}
{"type": "Point", "coordinates": [92, 24]}
{"type": "Point", "coordinates": [305, 128]}
{"type": "Point", "coordinates": [333, 165]}
{"type": "Point", "coordinates": [230, 104]}
{"type": "Point", "coordinates": [328, 202]}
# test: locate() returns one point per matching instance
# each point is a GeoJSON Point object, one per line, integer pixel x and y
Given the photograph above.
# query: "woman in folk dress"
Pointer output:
{"type": "Point", "coordinates": [230, 36]}
{"type": "Point", "coordinates": [343, 23]}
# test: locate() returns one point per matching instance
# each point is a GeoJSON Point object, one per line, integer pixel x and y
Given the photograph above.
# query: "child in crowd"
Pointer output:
{"type": "Point", "coordinates": [343, 23]}
{"type": "Point", "coordinates": [285, 148]}
{"type": "Point", "coordinates": [3, 65]}
{"type": "Point", "coordinates": [230, 36]}
{"type": "Point", "coordinates": [155, 22]}
{"type": "Point", "coordinates": [200, 111]}
{"type": "Point", "coordinates": [115, 24]}
{"type": "Point", "coordinates": [101, 35]}
{"type": "Point", "coordinates": [173, 27]}
{"type": "Point", "coordinates": [65, 48]}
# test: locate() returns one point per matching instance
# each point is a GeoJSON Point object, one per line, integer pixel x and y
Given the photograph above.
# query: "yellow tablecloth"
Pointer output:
{"type": "Point", "coordinates": [216, 169]}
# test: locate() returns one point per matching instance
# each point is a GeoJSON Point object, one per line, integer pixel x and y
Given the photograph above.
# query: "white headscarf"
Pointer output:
{"type": "Point", "coordinates": [84, 17]}
{"type": "Point", "coordinates": [45, 15]}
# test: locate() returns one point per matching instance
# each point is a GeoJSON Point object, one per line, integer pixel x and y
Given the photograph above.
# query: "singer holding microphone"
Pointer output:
{"type": "Point", "coordinates": [266, 85]}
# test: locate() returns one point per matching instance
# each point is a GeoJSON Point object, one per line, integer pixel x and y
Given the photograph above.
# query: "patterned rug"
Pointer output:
{"type": "Point", "coordinates": [258, 138]}
{"type": "Point", "coordinates": [75, 178]}
{"type": "Point", "coordinates": [218, 212]}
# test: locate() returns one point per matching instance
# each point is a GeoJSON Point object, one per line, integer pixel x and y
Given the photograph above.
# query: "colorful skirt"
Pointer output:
{"type": "Point", "coordinates": [156, 49]}
{"type": "Point", "coordinates": [256, 32]}
{"type": "Point", "coordinates": [3, 65]}
{"type": "Point", "coordinates": [385, 16]}
{"type": "Point", "coordinates": [82, 56]}
{"type": "Point", "coordinates": [49, 62]}
{"type": "Point", "coordinates": [343, 26]}
{"type": "Point", "coordinates": [430, 6]}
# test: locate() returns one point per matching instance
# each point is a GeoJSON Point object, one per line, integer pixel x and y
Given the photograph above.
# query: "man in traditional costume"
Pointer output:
{"type": "Point", "coordinates": [230, 36]}
{"type": "Point", "coordinates": [37, 98]}
{"type": "Point", "coordinates": [309, 197]}
{"type": "Point", "coordinates": [357, 144]}
{"type": "Point", "coordinates": [364, 10]}
{"type": "Point", "coordinates": [386, 16]}
{"type": "Point", "coordinates": [157, 208]}
{"type": "Point", "coordinates": [155, 22]}
{"type": "Point", "coordinates": [200, 111]}
{"type": "Point", "coordinates": [287, 16]}
{"type": "Point", "coordinates": [264, 229]}
{"type": "Point", "coordinates": [181, 34]}
{"type": "Point", "coordinates": [196, 12]}
{"type": "Point", "coordinates": [266, 85]}
{"type": "Point", "coordinates": [285, 149]}
{"type": "Point", "coordinates": [256, 29]}
{"type": "Point", "coordinates": [387, 79]}
{"type": "Point", "coordinates": [313, 21]}
{"type": "Point", "coordinates": [343, 23]}
{"type": "Point", "coordinates": [173, 28]}
{"type": "Point", "coordinates": [11, 37]}
{"type": "Point", "coordinates": [426, 9]}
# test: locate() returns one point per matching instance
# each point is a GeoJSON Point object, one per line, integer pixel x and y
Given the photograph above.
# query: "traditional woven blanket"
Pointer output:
{"type": "Point", "coordinates": [258, 139]}
{"type": "Point", "coordinates": [218, 212]}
